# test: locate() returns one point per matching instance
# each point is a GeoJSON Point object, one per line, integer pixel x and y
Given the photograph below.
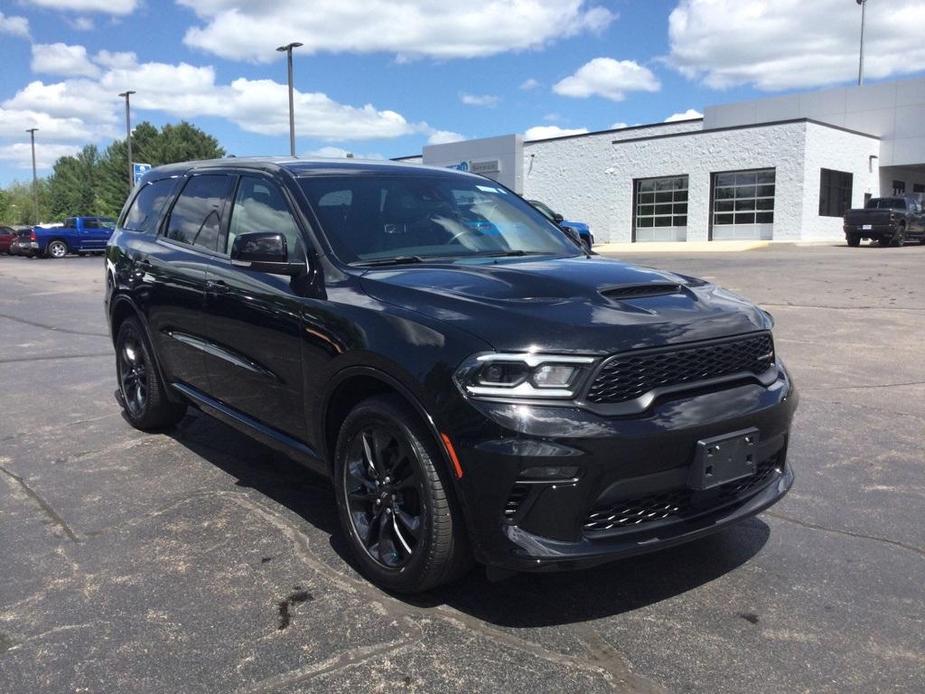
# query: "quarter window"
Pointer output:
{"type": "Point", "coordinates": [741, 201]}
{"type": "Point", "coordinates": [661, 209]}
{"type": "Point", "coordinates": [145, 211]}
{"type": "Point", "coordinates": [834, 192]}
{"type": "Point", "coordinates": [196, 217]}
{"type": "Point", "coordinates": [260, 206]}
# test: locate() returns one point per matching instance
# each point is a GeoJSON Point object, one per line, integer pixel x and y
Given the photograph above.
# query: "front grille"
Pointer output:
{"type": "Point", "coordinates": [625, 377]}
{"type": "Point", "coordinates": [680, 503]}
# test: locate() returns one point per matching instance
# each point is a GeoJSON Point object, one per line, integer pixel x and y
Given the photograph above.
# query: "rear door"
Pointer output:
{"type": "Point", "coordinates": [255, 318]}
{"type": "Point", "coordinates": [174, 269]}
{"type": "Point", "coordinates": [89, 235]}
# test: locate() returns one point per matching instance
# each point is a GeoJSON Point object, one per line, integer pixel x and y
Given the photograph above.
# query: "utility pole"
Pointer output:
{"type": "Point", "coordinates": [128, 137]}
{"type": "Point", "coordinates": [35, 180]}
{"type": "Point", "coordinates": [863, 4]}
{"type": "Point", "coordinates": [287, 49]}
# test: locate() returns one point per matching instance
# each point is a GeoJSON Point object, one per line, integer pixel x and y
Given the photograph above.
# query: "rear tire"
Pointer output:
{"type": "Point", "coordinates": [853, 240]}
{"type": "Point", "coordinates": [899, 238]}
{"type": "Point", "coordinates": [396, 509]}
{"type": "Point", "coordinates": [56, 249]}
{"type": "Point", "coordinates": [143, 394]}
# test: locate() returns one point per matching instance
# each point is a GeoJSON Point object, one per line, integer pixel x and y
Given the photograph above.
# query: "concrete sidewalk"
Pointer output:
{"type": "Point", "coordinates": [681, 247]}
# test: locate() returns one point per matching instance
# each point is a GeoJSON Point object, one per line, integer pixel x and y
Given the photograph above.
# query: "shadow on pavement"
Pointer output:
{"type": "Point", "coordinates": [523, 600]}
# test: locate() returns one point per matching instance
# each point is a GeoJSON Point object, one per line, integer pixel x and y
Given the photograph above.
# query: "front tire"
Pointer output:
{"type": "Point", "coordinates": [143, 394]}
{"type": "Point", "coordinates": [899, 238]}
{"type": "Point", "coordinates": [396, 508]}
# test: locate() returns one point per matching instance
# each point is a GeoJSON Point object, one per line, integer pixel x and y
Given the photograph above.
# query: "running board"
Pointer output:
{"type": "Point", "coordinates": [268, 436]}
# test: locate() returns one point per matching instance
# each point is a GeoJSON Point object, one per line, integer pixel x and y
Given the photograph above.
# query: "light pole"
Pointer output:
{"type": "Point", "coordinates": [863, 4]}
{"type": "Point", "coordinates": [35, 180]}
{"type": "Point", "coordinates": [287, 49]}
{"type": "Point", "coordinates": [128, 137]}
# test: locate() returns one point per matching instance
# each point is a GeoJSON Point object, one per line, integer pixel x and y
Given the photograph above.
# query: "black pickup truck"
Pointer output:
{"type": "Point", "coordinates": [890, 221]}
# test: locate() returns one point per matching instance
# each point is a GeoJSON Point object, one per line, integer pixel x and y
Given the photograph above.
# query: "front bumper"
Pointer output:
{"type": "Point", "coordinates": [636, 470]}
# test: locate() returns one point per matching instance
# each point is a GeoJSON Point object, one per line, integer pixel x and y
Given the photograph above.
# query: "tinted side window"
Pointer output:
{"type": "Point", "coordinates": [260, 206]}
{"type": "Point", "coordinates": [145, 211]}
{"type": "Point", "coordinates": [70, 223]}
{"type": "Point", "coordinates": [91, 224]}
{"type": "Point", "coordinates": [196, 217]}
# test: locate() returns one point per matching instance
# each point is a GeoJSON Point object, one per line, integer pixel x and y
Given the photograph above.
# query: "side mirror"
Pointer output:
{"type": "Point", "coordinates": [558, 217]}
{"type": "Point", "coordinates": [264, 251]}
{"type": "Point", "coordinates": [573, 236]}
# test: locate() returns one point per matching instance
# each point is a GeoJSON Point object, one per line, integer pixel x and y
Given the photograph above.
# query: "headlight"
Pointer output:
{"type": "Point", "coordinates": [526, 375]}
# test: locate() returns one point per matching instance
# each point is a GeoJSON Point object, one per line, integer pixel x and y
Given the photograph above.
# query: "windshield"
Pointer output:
{"type": "Point", "coordinates": [370, 218]}
{"type": "Point", "coordinates": [886, 204]}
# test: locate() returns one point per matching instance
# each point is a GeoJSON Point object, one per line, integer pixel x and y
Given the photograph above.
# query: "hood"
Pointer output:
{"type": "Point", "coordinates": [589, 305]}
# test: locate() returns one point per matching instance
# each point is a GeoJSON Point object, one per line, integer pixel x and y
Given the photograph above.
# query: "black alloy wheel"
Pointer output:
{"type": "Point", "coordinates": [395, 499]}
{"type": "Point", "coordinates": [141, 390]}
{"type": "Point", "coordinates": [383, 491]}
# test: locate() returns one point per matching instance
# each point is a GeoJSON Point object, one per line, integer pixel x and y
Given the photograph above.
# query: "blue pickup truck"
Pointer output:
{"type": "Point", "coordinates": [77, 235]}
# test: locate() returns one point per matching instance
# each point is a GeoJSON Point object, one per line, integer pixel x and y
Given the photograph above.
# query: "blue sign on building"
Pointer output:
{"type": "Point", "coordinates": [139, 170]}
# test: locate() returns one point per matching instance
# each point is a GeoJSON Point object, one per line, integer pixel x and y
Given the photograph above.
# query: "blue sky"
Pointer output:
{"type": "Point", "coordinates": [384, 77]}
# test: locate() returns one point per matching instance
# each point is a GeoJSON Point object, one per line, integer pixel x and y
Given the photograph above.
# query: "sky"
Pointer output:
{"type": "Point", "coordinates": [383, 78]}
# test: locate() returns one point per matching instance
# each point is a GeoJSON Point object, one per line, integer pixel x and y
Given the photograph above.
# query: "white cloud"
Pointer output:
{"type": "Point", "coordinates": [13, 124]}
{"type": "Point", "coordinates": [341, 153]}
{"type": "Point", "coordinates": [244, 30]}
{"type": "Point", "coordinates": [61, 59]}
{"type": "Point", "coordinates": [529, 84]}
{"type": "Point", "coordinates": [19, 154]}
{"type": "Point", "coordinates": [116, 59]}
{"type": "Point", "coordinates": [488, 100]}
{"type": "Point", "coordinates": [608, 78]}
{"type": "Point", "coordinates": [442, 137]}
{"type": "Point", "coordinates": [543, 132]}
{"type": "Point", "coordinates": [619, 125]}
{"type": "Point", "coordinates": [83, 24]}
{"type": "Point", "coordinates": [14, 26]}
{"type": "Point", "coordinates": [117, 7]}
{"type": "Point", "coordinates": [793, 43]}
{"type": "Point", "coordinates": [689, 114]}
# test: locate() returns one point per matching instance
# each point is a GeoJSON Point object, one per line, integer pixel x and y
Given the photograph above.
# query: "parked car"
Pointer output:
{"type": "Point", "coordinates": [77, 235]}
{"type": "Point", "coordinates": [500, 396]}
{"type": "Point", "coordinates": [890, 221]}
{"type": "Point", "coordinates": [578, 229]}
{"type": "Point", "coordinates": [6, 239]}
{"type": "Point", "coordinates": [21, 243]}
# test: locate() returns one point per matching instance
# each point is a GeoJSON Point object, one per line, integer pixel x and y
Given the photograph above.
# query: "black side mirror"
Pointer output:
{"type": "Point", "coordinates": [264, 251]}
{"type": "Point", "coordinates": [558, 217]}
{"type": "Point", "coordinates": [573, 236]}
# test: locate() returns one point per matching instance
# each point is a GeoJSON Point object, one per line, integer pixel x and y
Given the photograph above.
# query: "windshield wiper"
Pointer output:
{"type": "Point", "coordinates": [508, 254]}
{"type": "Point", "coordinates": [394, 260]}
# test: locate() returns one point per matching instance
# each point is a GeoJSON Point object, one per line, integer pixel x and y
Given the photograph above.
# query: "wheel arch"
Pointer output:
{"type": "Point", "coordinates": [351, 386]}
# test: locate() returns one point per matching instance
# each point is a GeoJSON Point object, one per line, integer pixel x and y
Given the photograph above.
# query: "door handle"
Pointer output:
{"type": "Point", "coordinates": [217, 287]}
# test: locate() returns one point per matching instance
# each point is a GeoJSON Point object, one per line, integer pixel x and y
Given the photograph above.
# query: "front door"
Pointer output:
{"type": "Point", "coordinates": [255, 317]}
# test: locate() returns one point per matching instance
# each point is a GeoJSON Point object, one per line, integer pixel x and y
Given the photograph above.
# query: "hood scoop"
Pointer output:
{"type": "Point", "coordinates": [640, 291]}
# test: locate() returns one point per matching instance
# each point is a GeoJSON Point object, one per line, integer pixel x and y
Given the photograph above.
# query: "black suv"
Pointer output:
{"type": "Point", "coordinates": [475, 385]}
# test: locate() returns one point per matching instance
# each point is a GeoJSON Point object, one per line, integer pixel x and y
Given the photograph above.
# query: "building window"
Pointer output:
{"type": "Point", "coordinates": [834, 193]}
{"type": "Point", "coordinates": [918, 188]}
{"type": "Point", "coordinates": [743, 201]}
{"type": "Point", "coordinates": [661, 209]}
{"type": "Point", "coordinates": [899, 187]}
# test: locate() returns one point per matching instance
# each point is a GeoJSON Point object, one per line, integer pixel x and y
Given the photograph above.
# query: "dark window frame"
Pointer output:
{"type": "Point", "coordinates": [835, 192]}
{"type": "Point", "coordinates": [638, 203]}
{"type": "Point", "coordinates": [164, 225]}
{"type": "Point", "coordinates": [713, 186]}
{"type": "Point", "coordinates": [159, 216]}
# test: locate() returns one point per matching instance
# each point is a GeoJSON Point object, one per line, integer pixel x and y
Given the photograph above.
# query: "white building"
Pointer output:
{"type": "Point", "coordinates": [781, 168]}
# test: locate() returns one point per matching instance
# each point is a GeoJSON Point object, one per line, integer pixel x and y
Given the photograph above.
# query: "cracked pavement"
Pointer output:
{"type": "Point", "coordinates": [167, 562]}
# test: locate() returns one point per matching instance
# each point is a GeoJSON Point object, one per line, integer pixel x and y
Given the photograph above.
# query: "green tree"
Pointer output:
{"type": "Point", "coordinates": [18, 207]}
{"type": "Point", "coordinates": [72, 186]}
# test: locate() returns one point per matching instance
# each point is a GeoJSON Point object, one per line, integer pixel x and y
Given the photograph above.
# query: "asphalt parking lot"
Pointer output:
{"type": "Point", "coordinates": [201, 561]}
